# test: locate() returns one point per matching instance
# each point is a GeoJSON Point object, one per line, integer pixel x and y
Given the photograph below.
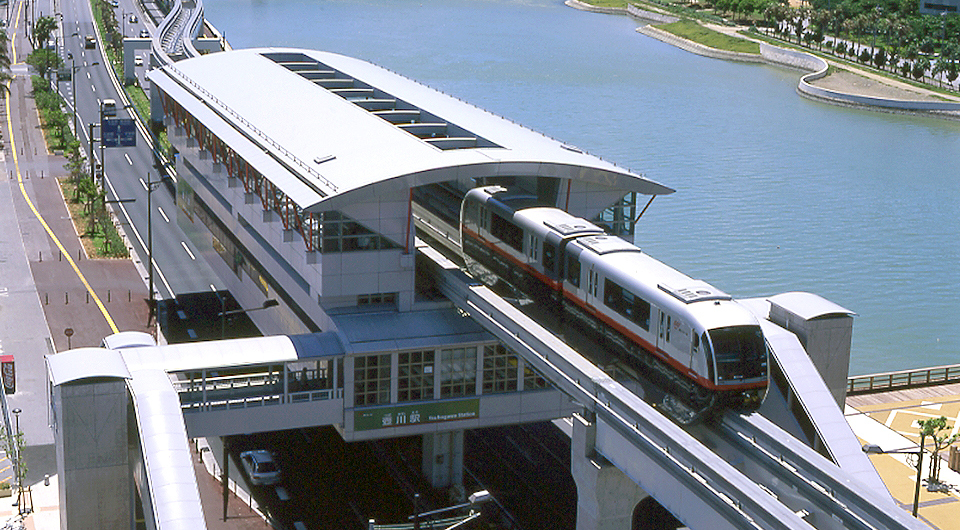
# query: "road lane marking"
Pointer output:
{"type": "Point", "coordinates": [36, 213]}
{"type": "Point", "coordinates": [125, 155]}
{"type": "Point", "coordinates": [165, 218]}
{"type": "Point", "coordinates": [184, 245]}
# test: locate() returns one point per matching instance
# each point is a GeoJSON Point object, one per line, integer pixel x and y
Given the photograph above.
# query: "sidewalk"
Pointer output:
{"type": "Point", "coordinates": [890, 421]}
{"type": "Point", "coordinates": [41, 291]}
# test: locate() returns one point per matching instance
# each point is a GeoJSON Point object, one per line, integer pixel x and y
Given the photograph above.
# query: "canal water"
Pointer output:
{"type": "Point", "coordinates": [774, 193]}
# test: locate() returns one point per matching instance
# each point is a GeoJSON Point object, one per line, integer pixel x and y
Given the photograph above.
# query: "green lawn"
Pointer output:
{"type": "Point", "coordinates": [690, 30]}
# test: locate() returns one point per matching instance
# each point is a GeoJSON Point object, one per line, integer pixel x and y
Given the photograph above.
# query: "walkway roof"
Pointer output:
{"type": "Point", "coordinates": [317, 125]}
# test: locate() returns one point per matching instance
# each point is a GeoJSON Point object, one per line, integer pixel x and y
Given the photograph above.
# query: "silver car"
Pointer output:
{"type": "Point", "coordinates": [261, 467]}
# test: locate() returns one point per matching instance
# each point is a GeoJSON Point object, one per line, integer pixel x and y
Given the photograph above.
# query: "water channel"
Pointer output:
{"type": "Point", "coordinates": [775, 192]}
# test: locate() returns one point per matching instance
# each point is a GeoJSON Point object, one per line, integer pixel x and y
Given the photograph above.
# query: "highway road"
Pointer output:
{"type": "Point", "coordinates": [178, 266]}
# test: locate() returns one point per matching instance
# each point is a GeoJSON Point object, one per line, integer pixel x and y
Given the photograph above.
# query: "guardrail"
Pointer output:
{"type": "Point", "coordinates": [239, 392]}
{"type": "Point", "coordinates": [903, 379]}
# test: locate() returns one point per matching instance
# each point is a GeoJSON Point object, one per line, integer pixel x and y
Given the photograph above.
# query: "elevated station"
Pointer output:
{"type": "Point", "coordinates": [302, 176]}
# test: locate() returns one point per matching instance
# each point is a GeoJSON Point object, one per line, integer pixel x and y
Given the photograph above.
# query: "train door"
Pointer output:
{"type": "Point", "coordinates": [663, 330]}
{"type": "Point", "coordinates": [593, 282]}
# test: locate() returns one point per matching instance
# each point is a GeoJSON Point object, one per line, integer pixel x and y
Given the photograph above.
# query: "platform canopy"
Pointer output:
{"type": "Point", "coordinates": [323, 127]}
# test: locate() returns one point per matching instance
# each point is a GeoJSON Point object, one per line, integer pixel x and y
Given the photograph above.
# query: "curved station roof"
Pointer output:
{"type": "Point", "coordinates": [322, 126]}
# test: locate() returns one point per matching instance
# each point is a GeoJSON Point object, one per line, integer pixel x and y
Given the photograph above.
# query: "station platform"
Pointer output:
{"type": "Point", "coordinates": [889, 420]}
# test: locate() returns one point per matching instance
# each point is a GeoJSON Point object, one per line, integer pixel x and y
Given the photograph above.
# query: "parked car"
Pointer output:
{"type": "Point", "coordinates": [138, 61]}
{"type": "Point", "coordinates": [144, 34]}
{"type": "Point", "coordinates": [133, 19]}
{"type": "Point", "coordinates": [261, 467]}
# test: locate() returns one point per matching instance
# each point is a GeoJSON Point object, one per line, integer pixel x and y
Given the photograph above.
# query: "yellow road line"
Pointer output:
{"type": "Point", "coordinates": [23, 191]}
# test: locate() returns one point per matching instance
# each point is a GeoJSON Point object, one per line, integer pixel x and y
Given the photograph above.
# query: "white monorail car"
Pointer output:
{"type": "Point", "coordinates": [695, 341]}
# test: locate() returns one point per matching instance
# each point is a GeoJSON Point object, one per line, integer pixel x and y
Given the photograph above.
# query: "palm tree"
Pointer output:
{"type": "Point", "coordinates": [5, 76]}
{"type": "Point", "coordinates": [920, 67]}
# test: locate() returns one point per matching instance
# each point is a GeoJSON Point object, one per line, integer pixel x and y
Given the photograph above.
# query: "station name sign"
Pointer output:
{"type": "Point", "coordinates": [402, 415]}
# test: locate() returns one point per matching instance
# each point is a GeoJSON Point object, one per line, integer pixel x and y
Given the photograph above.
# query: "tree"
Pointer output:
{"type": "Point", "coordinates": [920, 67]}
{"type": "Point", "coordinates": [45, 61]}
{"type": "Point", "coordinates": [933, 428]}
{"type": "Point", "coordinates": [5, 76]}
{"type": "Point", "coordinates": [42, 29]}
{"type": "Point", "coordinates": [939, 68]}
{"type": "Point", "coordinates": [880, 58]}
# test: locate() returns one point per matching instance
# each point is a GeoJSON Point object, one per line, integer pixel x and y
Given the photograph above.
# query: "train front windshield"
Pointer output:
{"type": "Point", "coordinates": [740, 353]}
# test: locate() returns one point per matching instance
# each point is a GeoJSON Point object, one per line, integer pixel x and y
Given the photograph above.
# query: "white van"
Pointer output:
{"type": "Point", "coordinates": [108, 108]}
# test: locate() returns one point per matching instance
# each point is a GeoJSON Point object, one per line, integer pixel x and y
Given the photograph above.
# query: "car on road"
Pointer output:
{"type": "Point", "coordinates": [261, 467]}
{"type": "Point", "coordinates": [89, 42]}
{"type": "Point", "coordinates": [144, 34]}
{"type": "Point", "coordinates": [138, 61]}
{"type": "Point", "coordinates": [133, 19]}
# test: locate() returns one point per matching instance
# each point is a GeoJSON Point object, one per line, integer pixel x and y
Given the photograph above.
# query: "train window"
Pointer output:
{"type": "Point", "coordinates": [708, 355]}
{"type": "Point", "coordinates": [642, 317]}
{"type": "Point", "coordinates": [627, 304]}
{"type": "Point", "coordinates": [549, 256]}
{"type": "Point", "coordinates": [740, 352]}
{"type": "Point", "coordinates": [573, 270]}
{"type": "Point", "coordinates": [506, 231]}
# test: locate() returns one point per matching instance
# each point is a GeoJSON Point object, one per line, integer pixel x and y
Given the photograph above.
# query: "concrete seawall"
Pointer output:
{"type": "Point", "coordinates": [817, 68]}
{"type": "Point", "coordinates": [631, 10]}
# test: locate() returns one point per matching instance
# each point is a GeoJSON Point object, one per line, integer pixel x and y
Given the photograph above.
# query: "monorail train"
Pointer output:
{"type": "Point", "coordinates": [692, 340]}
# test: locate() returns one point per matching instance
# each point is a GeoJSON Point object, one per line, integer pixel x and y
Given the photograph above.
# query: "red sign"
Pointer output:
{"type": "Point", "coordinates": [8, 373]}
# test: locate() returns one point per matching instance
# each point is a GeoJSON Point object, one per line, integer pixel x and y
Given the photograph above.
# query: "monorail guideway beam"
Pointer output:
{"type": "Point", "coordinates": [654, 452]}
{"type": "Point", "coordinates": [700, 487]}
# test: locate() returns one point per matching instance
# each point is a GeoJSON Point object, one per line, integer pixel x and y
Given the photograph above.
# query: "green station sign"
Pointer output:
{"type": "Point", "coordinates": [400, 415]}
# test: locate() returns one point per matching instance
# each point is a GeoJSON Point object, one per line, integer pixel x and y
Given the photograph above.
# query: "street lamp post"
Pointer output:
{"type": "Point", "coordinates": [475, 498]}
{"type": "Point", "coordinates": [16, 450]}
{"type": "Point", "coordinates": [872, 449]}
{"type": "Point", "coordinates": [267, 304]}
{"type": "Point", "coordinates": [152, 185]}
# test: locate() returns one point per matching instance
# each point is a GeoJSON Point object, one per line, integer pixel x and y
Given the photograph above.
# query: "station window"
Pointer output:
{"type": "Point", "coordinates": [415, 375]}
{"type": "Point", "coordinates": [533, 380]}
{"type": "Point", "coordinates": [342, 234]}
{"type": "Point", "coordinates": [458, 372]}
{"type": "Point", "coordinates": [377, 299]}
{"type": "Point", "coordinates": [500, 369]}
{"type": "Point", "coordinates": [371, 380]}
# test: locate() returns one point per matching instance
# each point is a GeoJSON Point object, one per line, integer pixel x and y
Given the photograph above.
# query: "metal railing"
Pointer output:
{"type": "Point", "coordinates": [263, 136]}
{"type": "Point", "coordinates": [245, 391]}
{"type": "Point", "coordinates": [903, 379]}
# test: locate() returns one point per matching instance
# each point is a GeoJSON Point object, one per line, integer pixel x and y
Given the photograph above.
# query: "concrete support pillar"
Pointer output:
{"type": "Point", "coordinates": [96, 482]}
{"type": "Point", "coordinates": [606, 498]}
{"type": "Point", "coordinates": [443, 458]}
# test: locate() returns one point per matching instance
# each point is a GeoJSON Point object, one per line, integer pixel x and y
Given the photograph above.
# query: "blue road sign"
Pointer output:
{"type": "Point", "coordinates": [118, 132]}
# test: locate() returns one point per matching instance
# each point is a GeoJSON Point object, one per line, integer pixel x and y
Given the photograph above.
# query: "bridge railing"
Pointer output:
{"type": "Point", "coordinates": [903, 379]}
